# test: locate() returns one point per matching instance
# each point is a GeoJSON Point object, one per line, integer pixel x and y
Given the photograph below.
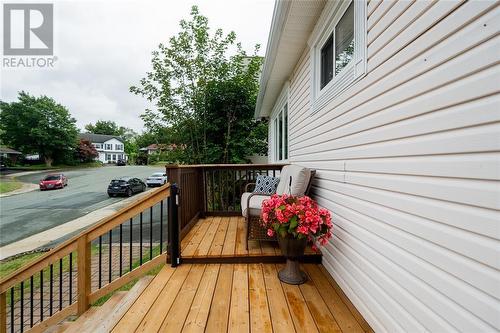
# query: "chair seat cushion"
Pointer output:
{"type": "Point", "coordinates": [255, 203]}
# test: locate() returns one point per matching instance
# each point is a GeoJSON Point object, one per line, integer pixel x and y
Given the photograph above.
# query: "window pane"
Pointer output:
{"type": "Point", "coordinates": [280, 136]}
{"type": "Point", "coordinates": [344, 39]}
{"type": "Point", "coordinates": [285, 117]}
{"type": "Point", "coordinates": [327, 62]}
{"type": "Point", "coordinates": [275, 139]}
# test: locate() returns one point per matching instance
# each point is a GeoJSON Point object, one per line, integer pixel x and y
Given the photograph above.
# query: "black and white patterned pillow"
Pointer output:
{"type": "Point", "coordinates": [266, 184]}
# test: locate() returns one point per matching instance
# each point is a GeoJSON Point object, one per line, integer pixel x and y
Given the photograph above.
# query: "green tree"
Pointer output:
{"type": "Point", "coordinates": [38, 125]}
{"type": "Point", "coordinates": [109, 127]}
{"type": "Point", "coordinates": [188, 85]}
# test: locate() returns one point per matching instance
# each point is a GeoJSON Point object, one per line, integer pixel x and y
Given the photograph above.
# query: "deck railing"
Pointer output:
{"type": "Point", "coordinates": [122, 247]}
{"type": "Point", "coordinates": [90, 265]}
{"type": "Point", "coordinates": [213, 189]}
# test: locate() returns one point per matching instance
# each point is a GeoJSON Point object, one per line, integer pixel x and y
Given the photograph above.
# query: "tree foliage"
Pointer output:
{"type": "Point", "coordinates": [109, 127]}
{"type": "Point", "coordinates": [38, 125]}
{"type": "Point", "coordinates": [85, 151]}
{"type": "Point", "coordinates": [204, 97]}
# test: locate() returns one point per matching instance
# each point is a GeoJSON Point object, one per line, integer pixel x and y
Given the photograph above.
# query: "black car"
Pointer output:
{"type": "Point", "coordinates": [121, 162]}
{"type": "Point", "coordinates": [126, 185]}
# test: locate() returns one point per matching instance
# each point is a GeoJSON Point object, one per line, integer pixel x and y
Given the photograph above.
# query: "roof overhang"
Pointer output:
{"type": "Point", "coordinates": [292, 23]}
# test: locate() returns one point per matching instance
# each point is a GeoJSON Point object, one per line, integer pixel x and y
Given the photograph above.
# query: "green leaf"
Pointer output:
{"type": "Point", "coordinates": [294, 223]}
{"type": "Point", "coordinates": [282, 231]}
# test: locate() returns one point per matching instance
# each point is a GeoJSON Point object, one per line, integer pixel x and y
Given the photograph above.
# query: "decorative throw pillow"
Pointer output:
{"type": "Point", "coordinates": [266, 184]}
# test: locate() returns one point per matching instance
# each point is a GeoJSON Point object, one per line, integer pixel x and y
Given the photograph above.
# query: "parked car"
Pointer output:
{"type": "Point", "coordinates": [121, 162]}
{"type": "Point", "coordinates": [126, 186]}
{"type": "Point", "coordinates": [156, 179]}
{"type": "Point", "coordinates": [53, 181]}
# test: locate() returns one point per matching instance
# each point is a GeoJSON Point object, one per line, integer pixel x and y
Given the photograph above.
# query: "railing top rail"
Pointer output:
{"type": "Point", "coordinates": [225, 166]}
{"type": "Point", "coordinates": [54, 254]}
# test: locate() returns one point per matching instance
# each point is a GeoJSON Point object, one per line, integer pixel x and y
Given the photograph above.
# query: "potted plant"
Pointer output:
{"type": "Point", "coordinates": [297, 221]}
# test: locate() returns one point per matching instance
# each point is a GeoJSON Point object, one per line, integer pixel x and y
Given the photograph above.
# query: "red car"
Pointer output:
{"type": "Point", "coordinates": [52, 181]}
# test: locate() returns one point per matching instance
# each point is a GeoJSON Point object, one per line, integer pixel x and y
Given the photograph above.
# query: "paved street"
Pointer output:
{"type": "Point", "coordinates": [26, 214]}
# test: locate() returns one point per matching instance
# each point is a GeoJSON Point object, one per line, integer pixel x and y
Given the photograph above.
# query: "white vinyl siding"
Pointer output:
{"type": "Point", "coordinates": [408, 162]}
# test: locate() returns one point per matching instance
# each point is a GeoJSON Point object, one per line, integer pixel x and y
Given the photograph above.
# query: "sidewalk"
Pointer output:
{"type": "Point", "coordinates": [27, 187]}
{"type": "Point", "coordinates": [48, 236]}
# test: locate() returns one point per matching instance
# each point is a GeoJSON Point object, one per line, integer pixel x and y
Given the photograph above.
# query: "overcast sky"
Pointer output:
{"type": "Point", "coordinates": [104, 47]}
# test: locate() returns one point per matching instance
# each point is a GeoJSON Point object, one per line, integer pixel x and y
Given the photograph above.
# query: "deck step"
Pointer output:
{"type": "Point", "coordinates": [106, 324]}
{"type": "Point", "coordinates": [74, 326]}
{"type": "Point", "coordinates": [104, 318]}
{"type": "Point", "coordinates": [97, 312]}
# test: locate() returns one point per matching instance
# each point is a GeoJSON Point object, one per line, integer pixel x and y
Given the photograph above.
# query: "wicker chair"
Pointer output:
{"type": "Point", "coordinates": [293, 179]}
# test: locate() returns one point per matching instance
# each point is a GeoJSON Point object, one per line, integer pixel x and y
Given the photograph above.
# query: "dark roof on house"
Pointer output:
{"type": "Point", "coordinates": [98, 138]}
{"type": "Point", "coordinates": [7, 150]}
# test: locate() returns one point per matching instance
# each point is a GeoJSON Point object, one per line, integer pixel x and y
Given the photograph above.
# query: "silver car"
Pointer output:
{"type": "Point", "coordinates": [156, 179]}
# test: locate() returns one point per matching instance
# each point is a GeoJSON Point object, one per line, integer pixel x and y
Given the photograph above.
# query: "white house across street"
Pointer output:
{"type": "Point", "coordinates": [110, 148]}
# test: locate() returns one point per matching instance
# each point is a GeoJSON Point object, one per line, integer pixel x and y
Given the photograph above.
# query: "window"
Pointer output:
{"type": "Point", "coordinates": [280, 134]}
{"type": "Point", "coordinates": [344, 40]}
{"type": "Point", "coordinates": [109, 146]}
{"type": "Point", "coordinates": [338, 49]}
{"type": "Point", "coordinates": [108, 157]}
{"type": "Point", "coordinates": [327, 62]}
{"type": "Point", "coordinates": [118, 147]}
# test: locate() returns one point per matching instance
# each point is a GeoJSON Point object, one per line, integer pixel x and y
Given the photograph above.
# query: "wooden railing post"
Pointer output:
{"type": "Point", "coordinates": [3, 313]}
{"type": "Point", "coordinates": [174, 226]}
{"type": "Point", "coordinates": [84, 273]}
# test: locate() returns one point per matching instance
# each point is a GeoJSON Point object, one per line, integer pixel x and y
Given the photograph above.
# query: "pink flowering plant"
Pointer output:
{"type": "Point", "coordinates": [298, 216]}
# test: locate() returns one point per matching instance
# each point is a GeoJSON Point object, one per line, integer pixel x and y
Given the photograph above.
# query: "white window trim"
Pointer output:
{"type": "Point", "coordinates": [355, 69]}
{"type": "Point", "coordinates": [278, 107]}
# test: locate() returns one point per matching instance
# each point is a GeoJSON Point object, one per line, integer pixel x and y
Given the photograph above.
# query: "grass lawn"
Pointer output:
{"type": "Point", "coordinates": [11, 265]}
{"type": "Point", "coordinates": [37, 167]}
{"type": "Point", "coordinates": [9, 185]}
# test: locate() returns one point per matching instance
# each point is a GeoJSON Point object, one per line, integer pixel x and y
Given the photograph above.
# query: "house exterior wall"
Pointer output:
{"type": "Point", "coordinates": [107, 153]}
{"type": "Point", "coordinates": [407, 160]}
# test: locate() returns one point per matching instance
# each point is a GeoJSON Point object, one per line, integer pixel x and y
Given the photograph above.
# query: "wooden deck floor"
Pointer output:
{"type": "Point", "coordinates": [226, 237]}
{"type": "Point", "coordinates": [240, 298]}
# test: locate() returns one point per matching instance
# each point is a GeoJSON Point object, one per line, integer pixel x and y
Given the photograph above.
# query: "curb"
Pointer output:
{"type": "Point", "coordinates": [27, 187]}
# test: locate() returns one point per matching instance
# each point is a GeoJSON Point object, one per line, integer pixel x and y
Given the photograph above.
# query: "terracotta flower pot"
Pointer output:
{"type": "Point", "coordinates": [292, 249]}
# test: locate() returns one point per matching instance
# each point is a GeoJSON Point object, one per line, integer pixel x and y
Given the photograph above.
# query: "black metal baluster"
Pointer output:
{"type": "Point", "coordinates": [150, 232]}
{"type": "Point", "coordinates": [22, 306]}
{"type": "Point", "coordinates": [51, 288]}
{"type": "Point", "coordinates": [121, 248]}
{"type": "Point", "coordinates": [31, 301]}
{"type": "Point", "coordinates": [41, 295]}
{"type": "Point", "coordinates": [60, 283]}
{"type": "Point", "coordinates": [161, 227]}
{"type": "Point", "coordinates": [130, 247]}
{"type": "Point", "coordinates": [12, 309]}
{"type": "Point", "coordinates": [100, 261]}
{"type": "Point", "coordinates": [140, 239]}
{"type": "Point", "coordinates": [71, 278]}
{"type": "Point", "coordinates": [110, 255]}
